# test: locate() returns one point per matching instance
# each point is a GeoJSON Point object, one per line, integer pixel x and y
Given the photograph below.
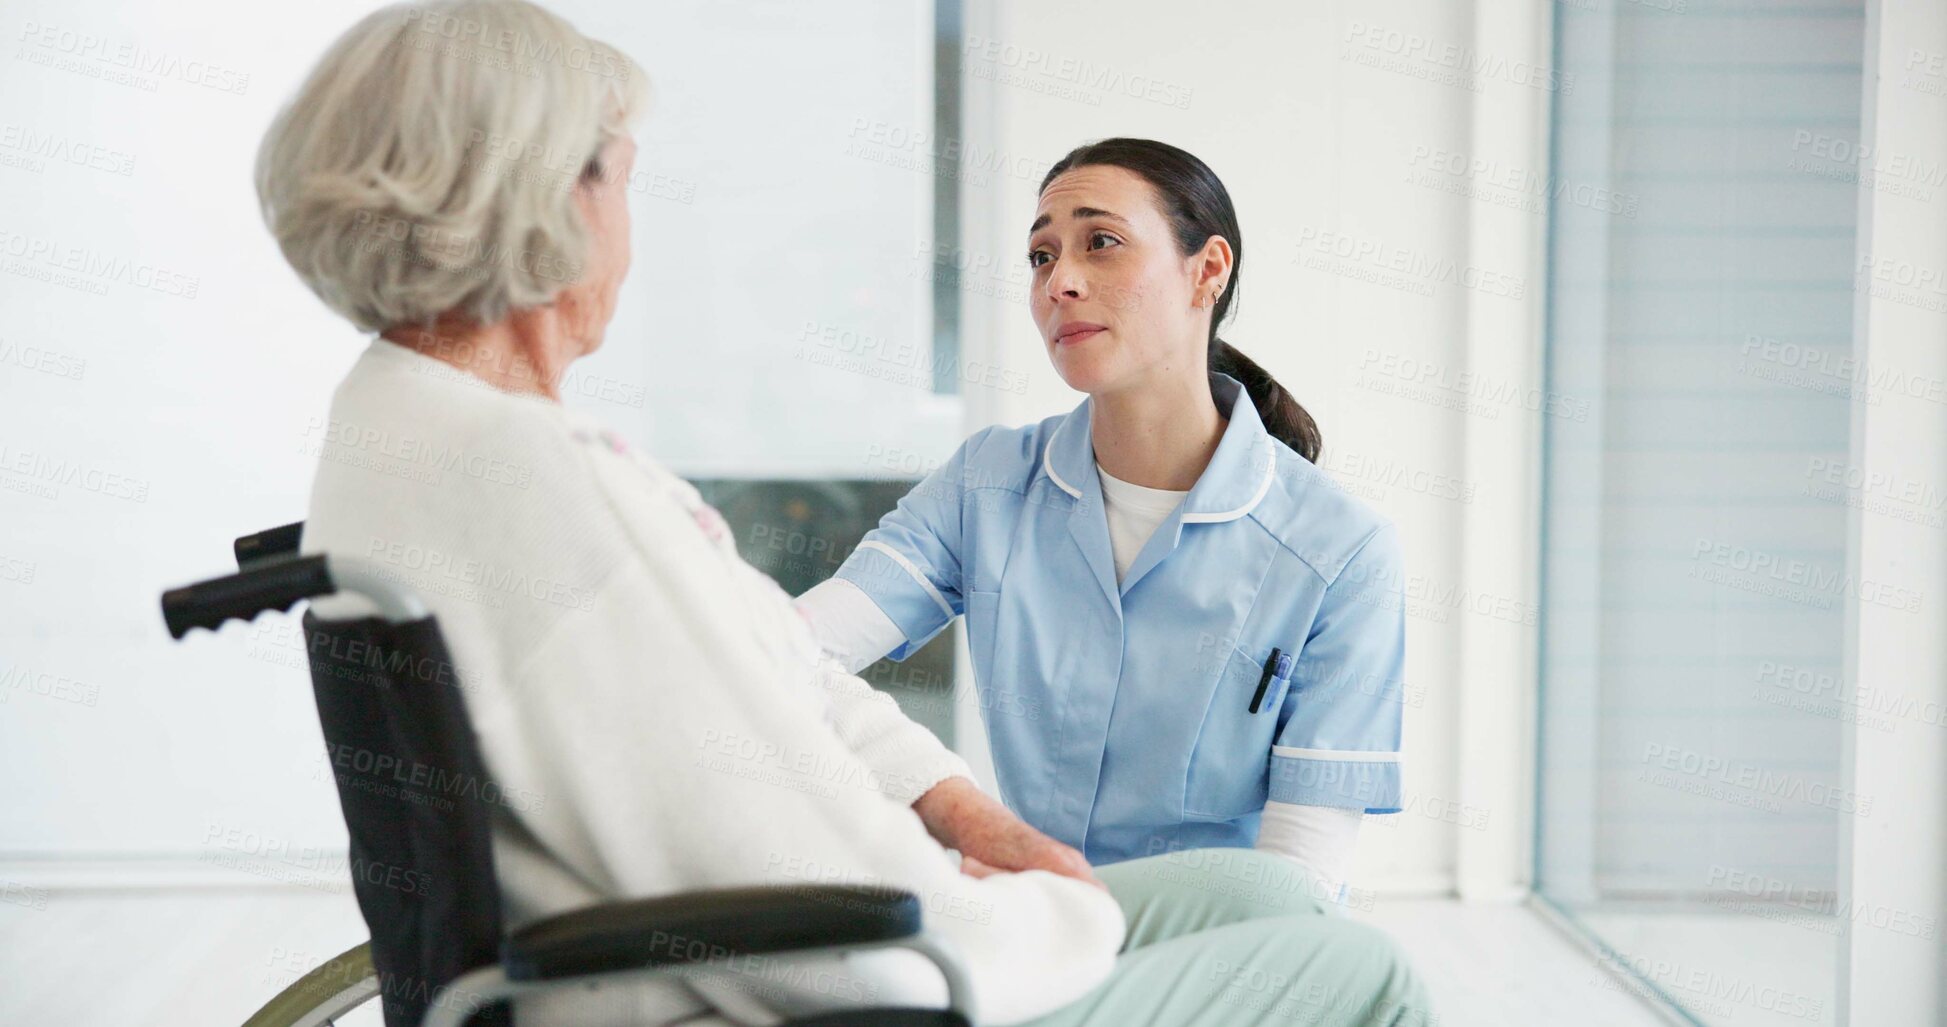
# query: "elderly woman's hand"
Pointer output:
{"type": "Point", "coordinates": [991, 839]}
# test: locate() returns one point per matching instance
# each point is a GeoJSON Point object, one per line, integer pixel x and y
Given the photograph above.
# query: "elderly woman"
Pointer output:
{"type": "Point", "coordinates": [452, 179]}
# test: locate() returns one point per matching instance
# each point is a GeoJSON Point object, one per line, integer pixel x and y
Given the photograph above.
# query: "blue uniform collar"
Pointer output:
{"type": "Point", "coordinates": [1237, 479]}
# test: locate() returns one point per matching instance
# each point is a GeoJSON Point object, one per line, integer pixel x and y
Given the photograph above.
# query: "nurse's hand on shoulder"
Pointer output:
{"type": "Point", "coordinates": [991, 838]}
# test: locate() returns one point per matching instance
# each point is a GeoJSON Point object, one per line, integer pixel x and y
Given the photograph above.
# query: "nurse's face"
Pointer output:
{"type": "Point", "coordinates": [1112, 295]}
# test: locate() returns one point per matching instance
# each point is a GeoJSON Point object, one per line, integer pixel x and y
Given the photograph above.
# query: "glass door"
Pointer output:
{"type": "Point", "coordinates": [1694, 708]}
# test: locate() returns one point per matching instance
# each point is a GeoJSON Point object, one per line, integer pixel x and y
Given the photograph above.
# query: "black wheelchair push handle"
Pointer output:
{"type": "Point", "coordinates": [244, 595]}
{"type": "Point", "coordinates": [269, 544]}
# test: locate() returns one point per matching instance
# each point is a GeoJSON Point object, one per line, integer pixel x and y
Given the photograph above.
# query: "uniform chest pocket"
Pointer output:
{"type": "Point", "coordinates": [1230, 765]}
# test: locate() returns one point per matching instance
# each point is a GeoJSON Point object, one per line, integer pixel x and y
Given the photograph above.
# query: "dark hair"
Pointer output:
{"type": "Point", "coordinates": [1198, 207]}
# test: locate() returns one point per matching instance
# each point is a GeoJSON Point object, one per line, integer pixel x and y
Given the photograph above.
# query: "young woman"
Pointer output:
{"type": "Point", "coordinates": [1184, 634]}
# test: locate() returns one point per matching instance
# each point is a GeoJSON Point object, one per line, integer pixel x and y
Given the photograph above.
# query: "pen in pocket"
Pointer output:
{"type": "Point", "coordinates": [1276, 665]}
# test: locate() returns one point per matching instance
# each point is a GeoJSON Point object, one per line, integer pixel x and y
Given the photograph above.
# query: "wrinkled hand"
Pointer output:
{"type": "Point", "coordinates": [991, 839]}
{"type": "Point", "coordinates": [975, 868]}
{"type": "Point", "coordinates": [1020, 847]}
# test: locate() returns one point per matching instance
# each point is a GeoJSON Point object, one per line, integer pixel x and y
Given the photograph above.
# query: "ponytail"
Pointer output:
{"type": "Point", "coordinates": [1287, 422]}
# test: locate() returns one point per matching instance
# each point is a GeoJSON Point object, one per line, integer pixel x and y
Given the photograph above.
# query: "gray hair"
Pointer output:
{"type": "Point", "coordinates": [428, 164]}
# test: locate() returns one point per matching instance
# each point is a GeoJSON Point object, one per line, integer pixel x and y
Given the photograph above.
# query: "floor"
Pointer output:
{"type": "Point", "coordinates": [208, 957]}
{"type": "Point", "coordinates": [1769, 966]}
{"type": "Point", "coordinates": [1505, 966]}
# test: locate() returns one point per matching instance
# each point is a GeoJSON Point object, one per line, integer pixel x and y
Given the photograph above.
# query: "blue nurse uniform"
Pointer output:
{"type": "Point", "coordinates": [1120, 716]}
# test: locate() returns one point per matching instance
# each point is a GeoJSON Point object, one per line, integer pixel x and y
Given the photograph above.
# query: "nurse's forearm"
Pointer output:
{"type": "Point", "coordinates": [849, 626]}
{"type": "Point", "coordinates": [1319, 838]}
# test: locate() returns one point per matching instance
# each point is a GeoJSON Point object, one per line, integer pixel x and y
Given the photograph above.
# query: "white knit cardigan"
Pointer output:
{"type": "Point", "coordinates": [656, 715]}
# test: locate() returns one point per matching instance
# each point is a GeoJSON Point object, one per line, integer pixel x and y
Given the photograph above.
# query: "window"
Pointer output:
{"type": "Point", "coordinates": [1704, 214]}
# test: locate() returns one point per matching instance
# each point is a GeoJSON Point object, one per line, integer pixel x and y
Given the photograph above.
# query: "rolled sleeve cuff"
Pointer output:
{"type": "Point", "coordinates": [1341, 778]}
{"type": "Point", "coordinates": [902, 592]}
{"type": "Point", "coordinates": [904, 781]}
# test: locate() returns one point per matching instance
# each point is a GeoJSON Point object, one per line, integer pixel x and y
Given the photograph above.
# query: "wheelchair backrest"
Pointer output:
{"type": "Point", "coordinates": [416, 796]}
{"type": "Point", "coordinates": [418, 804]}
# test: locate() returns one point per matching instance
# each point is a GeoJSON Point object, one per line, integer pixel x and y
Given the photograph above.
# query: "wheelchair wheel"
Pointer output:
{"type": "Point", "coordinates": [342, 984]}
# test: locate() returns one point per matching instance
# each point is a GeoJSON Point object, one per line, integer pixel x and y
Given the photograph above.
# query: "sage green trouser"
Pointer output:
{"type": "Point", "coordinates": [1235, 937]}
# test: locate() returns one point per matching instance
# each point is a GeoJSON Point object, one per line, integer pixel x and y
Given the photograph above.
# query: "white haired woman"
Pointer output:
{"type": "Point", "coordinates": [451, 178]}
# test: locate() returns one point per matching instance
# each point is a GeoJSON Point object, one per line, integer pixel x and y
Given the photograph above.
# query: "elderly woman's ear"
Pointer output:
{"type": "Point", "coordinates": [453, 232]}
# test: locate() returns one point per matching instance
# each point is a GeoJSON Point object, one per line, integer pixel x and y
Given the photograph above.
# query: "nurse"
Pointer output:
{"type": "Point", "coordinates": [1183, 633]}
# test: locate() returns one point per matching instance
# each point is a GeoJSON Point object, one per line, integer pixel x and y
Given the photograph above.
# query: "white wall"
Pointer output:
{"type": "Point", "coordinates": [1893, 874]}
{"type": "Point", "coordinates": [1377, 276]}
{"type": "Point", "coordinates": [187, 415]}
{"type": "Point", "coordinates": [1332, 125]}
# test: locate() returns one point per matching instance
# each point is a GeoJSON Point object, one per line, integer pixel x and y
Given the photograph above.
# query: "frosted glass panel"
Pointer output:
{"type": "Point", "coordinates": [1703, 206]}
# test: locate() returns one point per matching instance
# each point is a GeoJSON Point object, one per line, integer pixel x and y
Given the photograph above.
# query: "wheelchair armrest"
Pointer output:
{"type": "Point", "coordinates": [699, 927]}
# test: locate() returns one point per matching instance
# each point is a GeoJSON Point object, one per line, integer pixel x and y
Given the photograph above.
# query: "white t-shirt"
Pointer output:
{"type": "Point", "coordinates": [1134, 512]}
{"type": "Point", "coordinates": [853, 630]}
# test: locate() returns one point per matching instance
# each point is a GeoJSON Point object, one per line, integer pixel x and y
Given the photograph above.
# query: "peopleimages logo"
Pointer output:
{"type": "Point", "coordinates": [425, 454]}
{"type": "Point", "coordinates": [38, 256]}
{"type": "Point", "coordinates": [898, 362]}
{"type": "Point", "coordinates": [1412, 270]}
{"type": "Point", "coordinates": [40, 473]}
{"type": "Point", "coordinates": [424, 783]}
{"type": "Point", "coordinates": [432, 566]}
{"type": "Point", "coordinates": [121, 61]}
{"type": "Point", "coordinates": [1765, 783]}
{"type": "Point", "coordinates": [53, 146]}
{"type": "Point", "coordinates": [1004, 57]}
{"type": "Point", "coordinates": [44, 361]}
{"type": "Point", "coordinates": [521, 49]}
{"type": "Point", "coordinates": [1791, 578]}
{"type": "Point", "coordinates": [1447, 63]}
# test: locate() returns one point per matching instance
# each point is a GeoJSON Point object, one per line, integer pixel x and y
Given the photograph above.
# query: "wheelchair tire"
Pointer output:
{"type": "Point", "coordinates": [342, 984]}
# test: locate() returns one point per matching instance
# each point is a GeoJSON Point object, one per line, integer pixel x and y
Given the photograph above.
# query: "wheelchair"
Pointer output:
{"type": "Point", "coordinates": [438, 954]}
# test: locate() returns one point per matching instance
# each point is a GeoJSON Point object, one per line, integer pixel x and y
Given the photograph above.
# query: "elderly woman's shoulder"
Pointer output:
{"type": "Point", "coordinates": [414, 435]}
{"type": "Point", "coordinates": [424, 410]}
